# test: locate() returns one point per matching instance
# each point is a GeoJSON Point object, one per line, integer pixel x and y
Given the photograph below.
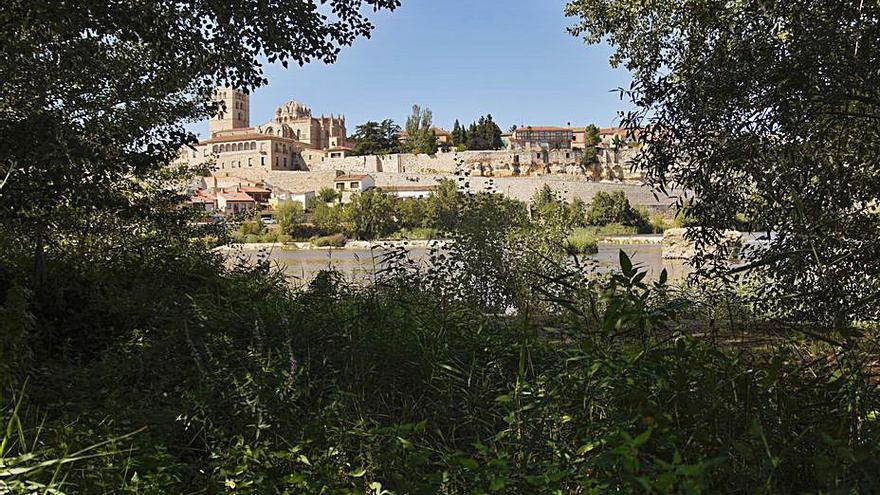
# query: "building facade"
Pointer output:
{"type": "Point", "coordinates": [234, 145]}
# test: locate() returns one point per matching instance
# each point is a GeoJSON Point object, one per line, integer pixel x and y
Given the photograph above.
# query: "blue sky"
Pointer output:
{"type": "Point", "coordinates": [462, 59]}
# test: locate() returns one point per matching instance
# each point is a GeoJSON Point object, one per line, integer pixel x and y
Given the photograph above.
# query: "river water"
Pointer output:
{"type": "Point", "coordinates": [362, 264]}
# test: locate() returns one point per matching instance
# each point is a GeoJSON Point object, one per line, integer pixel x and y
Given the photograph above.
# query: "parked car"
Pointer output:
{"type": "Point", "coordinates": [268, 221]}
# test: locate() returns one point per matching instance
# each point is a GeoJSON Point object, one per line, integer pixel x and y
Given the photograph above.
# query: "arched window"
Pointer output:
{"type": "Point", "coordinates": [253, 145]}
{"type": "Point", "coordinates": [214, 148]}
{"type": "Point", "coordinates": [240, 146]}
{"type": "Point", "coordinates": [239, 115]}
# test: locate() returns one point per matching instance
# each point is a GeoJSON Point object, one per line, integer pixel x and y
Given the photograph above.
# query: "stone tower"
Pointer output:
{"type": "Point", "coordinates": [235, 115]}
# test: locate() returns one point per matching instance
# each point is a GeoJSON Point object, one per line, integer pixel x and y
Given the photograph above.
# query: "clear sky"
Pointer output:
{"type": "Point", "coordinates": [462, 59]}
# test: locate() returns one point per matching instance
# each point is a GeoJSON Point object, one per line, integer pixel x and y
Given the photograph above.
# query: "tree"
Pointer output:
{"type": "Point", "coordinates": [372, 214]}
{"type": "Point", "coordinates": [483, 135]}
{"type": "Point", "coordinates": [592, 139]}
{"type": "Point", "coordinates": [328, 195]}
{"type": "Point", "coordinates": [329, 218]}
{"type": "Point", "coordinates": [420, 137]}
{"type": "Point", "coordinates": [443, 206]}
{"type": "Point", "coordinates": [613, 207]}
{"type": "Point", "coordinates": [93, 98]}
{"type": "Point", "coordinates": [410, 213]}
{"type": "Point", "coordinates": [289, 214]}
{"type": "Point", "coordinates": [459, 134]}
{"type": "Point", "coordinates": [778, 101]}
{"type": "Point", "coordinates": [375, 138]}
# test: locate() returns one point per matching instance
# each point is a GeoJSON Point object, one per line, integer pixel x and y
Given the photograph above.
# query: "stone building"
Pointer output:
{"type": "Point", "coordinates": [234, 146]}
{"type": "Point", "coordinates": [318, 133]}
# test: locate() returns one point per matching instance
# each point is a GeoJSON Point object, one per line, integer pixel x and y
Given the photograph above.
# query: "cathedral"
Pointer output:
{"type": "Point", "coordinates": [275, 145]}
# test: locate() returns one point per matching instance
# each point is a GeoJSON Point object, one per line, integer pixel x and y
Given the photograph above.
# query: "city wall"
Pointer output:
{"type": "Point", "coordinates": [610, 165]}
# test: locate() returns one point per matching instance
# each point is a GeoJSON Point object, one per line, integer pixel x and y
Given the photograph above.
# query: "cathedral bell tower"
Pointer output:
{"type": "Point", "coordinates": [234, 112]}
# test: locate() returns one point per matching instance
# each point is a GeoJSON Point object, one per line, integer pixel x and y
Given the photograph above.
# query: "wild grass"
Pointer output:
{"type": "Point", "coordinates": [587, 384]}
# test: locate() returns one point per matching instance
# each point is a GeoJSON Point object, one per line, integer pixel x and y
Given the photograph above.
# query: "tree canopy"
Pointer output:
{"type": "Point", "coordinates": [769, 109]}
{"type": "Point", "coordinates": [481, 135]}
{"type": "Point", "coordinates": [420, 137]}
{"type": "Point", "coordinates": [93, 96]}
{"type": "Point", "coordinates": [376, 138]}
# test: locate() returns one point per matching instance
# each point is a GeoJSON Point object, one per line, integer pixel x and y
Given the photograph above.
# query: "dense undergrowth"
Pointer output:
{"type": "Point", "coordinates": [235, 380]}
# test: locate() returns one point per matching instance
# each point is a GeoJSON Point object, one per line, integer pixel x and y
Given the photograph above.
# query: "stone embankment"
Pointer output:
{"type": "Point", "coordinates": [677, 247]}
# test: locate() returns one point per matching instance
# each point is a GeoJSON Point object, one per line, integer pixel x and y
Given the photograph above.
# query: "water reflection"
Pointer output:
{"type": "Point", "coordinates": [361, 265]}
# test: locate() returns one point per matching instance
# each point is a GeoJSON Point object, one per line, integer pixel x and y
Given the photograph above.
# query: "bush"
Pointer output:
{"type": "Point", "coordinates": [289, 214]}
{"type": "Point", "coordinates": [418, 233]}
{"type": "Point", "coordinates": [581, 241]}
{"type": "Point", "coordinates": [614, 207]}
{"type": "Point", "coordinates": [372, 214]}
{"type": "Point", "coordinates": [335, 240]}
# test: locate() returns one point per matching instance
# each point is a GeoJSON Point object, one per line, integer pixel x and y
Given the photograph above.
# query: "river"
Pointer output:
{"type": "Point", "coordinates": [361, 264]}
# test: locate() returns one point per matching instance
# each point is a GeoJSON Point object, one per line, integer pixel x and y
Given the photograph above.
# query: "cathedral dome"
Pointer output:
{"type": "Point", "coordinates": [293, 110]}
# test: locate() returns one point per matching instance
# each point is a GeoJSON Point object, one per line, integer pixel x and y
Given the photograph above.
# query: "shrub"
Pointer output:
{"type": "Point", "coordinates": [372, 214]}
{"type": "Point", "coordinates": [581, 241]}
{"type": "Point", "coordinates": [335, 240]}
{"type": "Point", "coordinates": [418, 233]}
{"type": "Point", "coordinates": [289, 214]}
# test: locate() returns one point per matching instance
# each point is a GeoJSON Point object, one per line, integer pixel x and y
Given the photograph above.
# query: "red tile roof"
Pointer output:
{"type": "Point", "coordinates": [239, 197]}
{"type": "Point", "coordinates": [258, 190]}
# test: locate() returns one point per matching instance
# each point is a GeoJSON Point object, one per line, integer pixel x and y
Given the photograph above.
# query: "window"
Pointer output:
{"type": "Point", "coordinates": [340, 186]}
{"type": "Point", "coordinates": [250, 162]}
{"type": "Point", "coordinates": [354, 185]}
{"type": "Point", "coordinates": [262, 161]}
{"type": "Point", "coordinates": [285, 162]}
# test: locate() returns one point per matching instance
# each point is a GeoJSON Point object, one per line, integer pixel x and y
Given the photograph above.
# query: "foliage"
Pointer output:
{"type": "Point", "coordinates": [614, 207]}
{"type": "Point", "coordinates": [328, 195]}
{"type": "Point", "coordinates": [417, 233]}
{"type": "Point", "coordinates": [329, 218]}
{"type": "Point", "coordinates": [407, 386]}
{"type": "Point", "coordinates": [289, 214]}
{"type": "Point", "coordinates": [335, 240]}
{"type": "Point", "coordinates": [420, 137]}
{"type": "Point", "coordinates": [372, 214]}
{"type": "Point", "coordinates": [767, 109]}
{"type": "Point", "coordinates": [581, 241]}
{"type": "Point", "coordinates": [459, 135]}
{"type": "Point", "coordinates": [442, 207]}
{"type": "Point", "coordinates": [93, 98]}
{"type": "Point", "coordinates": [481, 135]}
{"type": "Point", "coordinates": [410, 213]}
{"type": "Point", "coordinates": [376, 138]}
{"type": "Point", "coordinates": [593, 138]}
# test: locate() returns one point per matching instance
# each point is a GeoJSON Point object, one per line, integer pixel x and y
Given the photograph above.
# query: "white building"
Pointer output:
{"type": "Point", "coordinates": [347, 184]}
{"type": "Point", "coordinates": [409, 191]}
{"type": "Point", "coordinates": [280, 196]}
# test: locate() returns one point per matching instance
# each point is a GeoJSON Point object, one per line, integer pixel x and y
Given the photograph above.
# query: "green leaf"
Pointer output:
{"type": "Point", "coordinates": [625, 264]}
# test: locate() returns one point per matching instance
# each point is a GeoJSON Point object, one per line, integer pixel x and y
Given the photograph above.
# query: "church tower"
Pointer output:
{"type": "Point", "coordinates": [236, 112]}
